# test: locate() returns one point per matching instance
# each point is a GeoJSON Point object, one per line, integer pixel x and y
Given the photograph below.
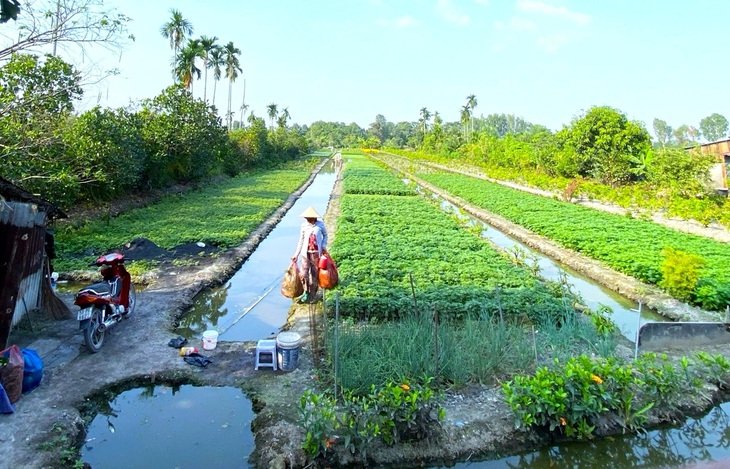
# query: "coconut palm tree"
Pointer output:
{"type": "Point", "coordinates": [231, 52]}
{"type": "Point", "coordinates": [244, 108]}
{"type": "Point", "coordinates": [177, 29]}
{"type": "Point", "coordinates": [207, 45]}
{"type": "Point", "coordinates": [216, 61]}
{"type": "Point", "coordinates": [285, 116]}
{"type": "Point", "coordinates": [184, 68]}
{"type": "Point", "coordinates": [471, 102]}
{"type": "Point", "coordinates": [272, 112]}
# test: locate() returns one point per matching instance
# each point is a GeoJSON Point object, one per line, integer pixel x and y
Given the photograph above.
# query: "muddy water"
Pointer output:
{"type": "Point", "coordinates": [165, 426]}
{"type": "Point", "coordinates": [699, 443]}
{"type": "Point", "coordinates": [249, 306]}
{"type": "Point", "coordinates": [624, 311]}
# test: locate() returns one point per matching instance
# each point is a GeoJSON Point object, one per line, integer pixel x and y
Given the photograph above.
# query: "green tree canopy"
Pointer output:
{"type": "Point", "coordinates": [605, 143]}
{"type": "Point", "coordinates": [714, 127]}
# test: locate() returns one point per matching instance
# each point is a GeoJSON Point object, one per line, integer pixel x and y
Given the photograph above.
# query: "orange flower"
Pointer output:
{"type": "Point", "coordinates": [597, 379]}
{"type": "Point", "coordinates": [405, 387]}
{"type": "Point", "coordinates": [562, 421]}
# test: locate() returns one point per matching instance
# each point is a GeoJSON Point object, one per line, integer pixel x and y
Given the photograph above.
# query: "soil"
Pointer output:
{"type": "Point", "coordinates": [52, 417]}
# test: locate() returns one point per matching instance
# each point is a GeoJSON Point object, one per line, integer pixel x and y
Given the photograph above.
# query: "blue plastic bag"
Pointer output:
{"type": "Point", "coordinates": [5, 406]}
{"type": "Point", "coordinates": [32, 369]}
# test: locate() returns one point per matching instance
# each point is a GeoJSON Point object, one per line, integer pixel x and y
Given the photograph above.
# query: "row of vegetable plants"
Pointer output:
{"type": "Point", "coordinates": [222, 215]}
{"type": "Point", "coordinates": [692, 268]}
{"type": "Point", "coordinates": [390, 246]}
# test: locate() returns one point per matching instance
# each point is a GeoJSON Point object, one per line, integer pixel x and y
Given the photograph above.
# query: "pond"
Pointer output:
{"type": "Point", "coordinates": [171, 426]}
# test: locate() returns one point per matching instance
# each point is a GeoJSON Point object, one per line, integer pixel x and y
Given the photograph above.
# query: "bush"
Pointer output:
{"type": "Point", "coordinates": [680, 273]}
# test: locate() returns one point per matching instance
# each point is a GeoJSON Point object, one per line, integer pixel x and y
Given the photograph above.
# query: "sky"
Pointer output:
{"type": "Point", "coordinates": [547, 61]}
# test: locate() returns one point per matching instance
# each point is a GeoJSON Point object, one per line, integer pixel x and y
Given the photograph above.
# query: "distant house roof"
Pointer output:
{"type": "Point", "coordinates": [13, 193]}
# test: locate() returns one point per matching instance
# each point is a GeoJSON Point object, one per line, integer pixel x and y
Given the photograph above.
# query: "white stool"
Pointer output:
{"type": "Point", "coordinates": [266, 347]}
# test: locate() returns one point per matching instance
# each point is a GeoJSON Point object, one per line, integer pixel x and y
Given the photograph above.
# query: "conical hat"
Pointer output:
{"type": "Point", "coordinates": [310, 213]}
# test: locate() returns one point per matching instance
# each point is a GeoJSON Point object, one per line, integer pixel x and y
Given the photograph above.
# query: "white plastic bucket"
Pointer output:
{"type": "Point", "coordinates": [210, 339]}
{"type": "Point", "coordinates": [287, 345]}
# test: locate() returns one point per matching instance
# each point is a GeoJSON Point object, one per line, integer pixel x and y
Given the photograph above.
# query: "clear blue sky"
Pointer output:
{"type": "Point", "coordinates": [543, 60]}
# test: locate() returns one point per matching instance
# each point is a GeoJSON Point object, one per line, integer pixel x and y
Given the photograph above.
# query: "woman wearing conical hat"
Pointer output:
{"type": "Point", "coordinates": [312, 241]}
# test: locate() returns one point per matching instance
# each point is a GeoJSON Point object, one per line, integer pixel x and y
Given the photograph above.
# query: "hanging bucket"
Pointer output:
{"type": "Point", "coordinates": [287, 345]}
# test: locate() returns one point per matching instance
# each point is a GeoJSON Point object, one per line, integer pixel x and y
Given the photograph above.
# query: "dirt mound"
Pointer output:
{"type": "Point", "coordinates": [192, 249]}
{"type": "Point", "coordinates": [142, 248]}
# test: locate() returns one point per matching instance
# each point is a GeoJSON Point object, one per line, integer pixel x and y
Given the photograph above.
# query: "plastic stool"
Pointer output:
{"type": "Point", "coordinates": [266, 347]}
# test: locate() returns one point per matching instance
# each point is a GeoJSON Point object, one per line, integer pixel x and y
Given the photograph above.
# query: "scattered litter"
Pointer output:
{"type": "Point", "coordinates": [200, 244]}
{"type": "Point", "coordinates": [177, 342]}
{"type": "Point", "coordinates": [197, 359]}
{"type": "Point", "coordinates": [459, 423]}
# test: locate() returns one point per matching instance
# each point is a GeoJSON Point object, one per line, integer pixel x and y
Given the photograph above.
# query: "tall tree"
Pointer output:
{"type": "Point", "coordinates": [465, 116]}
{"type": "Point", "coordinates": [207, 45]}
{"type": "Point", "coordinates": [714, 127]}
{"type": "Point", "coordinates": [184, 67]}
{"type": "Point", "coordinates": [425, 116]}
{"type": "Point", "coordinates": [686, 135]}
{"type": "Point", "coordinates": [272, 111]}
{"type": "Point", "coordinates": [216, 61]}
{"type": "Point", "coordinates": [176, 30]}
{"type": "Point", "coordinates": [662, 132]}
{"type": "Point", "coordinates": [471, 101]}
{"type": "Point", "coordinates": [233, 68]}
{"type": "Point", "coordinates": [285, 116]}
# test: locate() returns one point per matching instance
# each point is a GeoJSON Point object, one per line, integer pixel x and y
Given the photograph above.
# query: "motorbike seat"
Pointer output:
{"type": "Point", "coordinates": [103, 288]}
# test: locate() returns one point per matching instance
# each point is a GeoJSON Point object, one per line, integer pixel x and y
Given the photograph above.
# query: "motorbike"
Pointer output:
{"type": "Point", "coordinates": [106, 303]}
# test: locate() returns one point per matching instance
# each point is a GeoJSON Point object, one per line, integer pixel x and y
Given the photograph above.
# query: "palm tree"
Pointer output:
{"type": "Point", "coordinates": [272, 112]}
{"type": "Point", "coordinates": [231, 52]}
{"type": "Point", "coordinates": [425, 116]}
{"type": "Point", "coordinates": [184, 68]}
{"type": "Point", "coordinates": [176, 30]}
{"type": "Point", "coordinates": [207, 45]}
{"type": "Point", "coordinates": [244, 107]}
{"type": "Point", "coordinates": [471, 102]}
{"type": "Point", "coordinates": [285, 115]}
{"type": "Point", "coordinates": [216, 60]}
{"type": "Point", "coordinates": [465, 115]}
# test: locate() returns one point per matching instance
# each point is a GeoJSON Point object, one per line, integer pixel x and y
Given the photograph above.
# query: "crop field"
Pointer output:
{"type": "Point", "coordinates": [402, 260]}
{"type": "Point", "coordinates": [384, 241]}
{"type": "Point", "coordinates": [222, 215]}
{"type": "Point", "coordinates": [628, 245]}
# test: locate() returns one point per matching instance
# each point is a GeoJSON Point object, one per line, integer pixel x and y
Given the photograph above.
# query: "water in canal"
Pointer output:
{"type": "Point", "coordinates": [172, 426]}
{"type": "Point", "coordinates": [702, 443]}
{"type": "Point", "coordinates": [624, 311]}
{"type": "Point", "coordinates": [249, 306]}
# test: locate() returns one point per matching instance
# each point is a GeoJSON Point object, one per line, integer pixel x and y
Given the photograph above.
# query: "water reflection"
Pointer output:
{"type": "Point", "coordinates": [171, 426]}
{"type": "Point", "coordinates": [249, 306]}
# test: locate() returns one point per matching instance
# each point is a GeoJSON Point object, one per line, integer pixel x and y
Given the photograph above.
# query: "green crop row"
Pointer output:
{"type": "Point", "coordinates": [634, 247]}
{"type": "Point", "coordinates": [385, 242]}
{"type": "Point", "coordinates": [362, 176]}
{"type": "Point", "coordinates": [222, 215]}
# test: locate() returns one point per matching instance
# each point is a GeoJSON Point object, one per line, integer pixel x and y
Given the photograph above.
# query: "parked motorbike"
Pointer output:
{"type": "Point", "coordinates": [106, 303]}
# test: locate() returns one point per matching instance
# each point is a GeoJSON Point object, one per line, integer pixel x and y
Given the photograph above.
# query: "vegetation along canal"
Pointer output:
{"type": "Point", "coordinates": [249, 306]}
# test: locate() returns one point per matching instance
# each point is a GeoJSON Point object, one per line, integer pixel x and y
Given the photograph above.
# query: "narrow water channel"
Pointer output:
{"type": "Point", "coordinates": [172, 427]}
{"type": "Point", "coordinates": [250, 306]}
{"type": "Point", "coordinates": [701, 443]}
{"type": "Point", "coordinates": [624, 311]}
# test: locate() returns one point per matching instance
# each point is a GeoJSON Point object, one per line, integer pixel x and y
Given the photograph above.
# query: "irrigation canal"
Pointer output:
{"type": "Point", "coordinates": [249, 307]}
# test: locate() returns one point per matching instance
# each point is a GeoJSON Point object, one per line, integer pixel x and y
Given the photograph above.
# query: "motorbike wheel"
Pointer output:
{"type": "Point", "coordinates": [94, 332]}
{"type": "Point", "coordinates": [132, 299]}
